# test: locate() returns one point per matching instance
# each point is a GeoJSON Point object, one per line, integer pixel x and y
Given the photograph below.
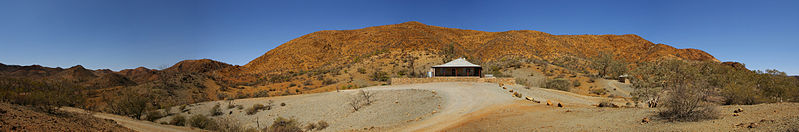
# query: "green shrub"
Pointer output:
{"type": "Point", "coordinates": [559, 84]}
{"type": "Point", "coordinates": [202, 122]}
{"type": "Point", "coordinates": [284, 125]}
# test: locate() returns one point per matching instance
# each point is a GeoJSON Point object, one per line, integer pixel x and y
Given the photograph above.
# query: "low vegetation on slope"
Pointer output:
{"type": "Point", "coordinates": [690, 90]}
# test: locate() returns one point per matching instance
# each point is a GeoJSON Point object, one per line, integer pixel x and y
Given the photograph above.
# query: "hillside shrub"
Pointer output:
{"type": "Point", "coordinates": [692, 89]}
{"type": "Point", "coordinates": [258, 107]}
{"type": "Point", "coordinates": [321, 125]}
{"type": "Point", "coordinates": [153, 115]}
{"type": "Point", "coordinates": [41, 94]}
{"type": "Point", "coordinates": [284, 125]}
{"type": "Point", "coordinates": [216, 110]}
{"type": "Point", "coordinates": [361, 70]}
{"type": "Point", "coordinates": [360, 99]}
{"type": "Point", "coordinates": [599, 91]}
{"type": "Point", "coordinates": [262, 93]}
{"type": "Point", "coordinates": [559, 84]}
{"type": "Point", "coordinates": [129, 104]}
{"type": "Point", "coordinates": [202, 122]}
{"type": "Point", "coordinates": [379, 76]}
{"type": "Point", "coordinates": [178, 120]}
{"type": "Point", "coordinates": [310, 127]}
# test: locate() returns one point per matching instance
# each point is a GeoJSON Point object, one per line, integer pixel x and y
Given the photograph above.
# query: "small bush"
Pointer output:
{"type": "Point", "coordinates": [559, 84]}
{"type": "Point", "coordinates": [599, 91]}
{"type": "Point", "coordinates": [230, 105]}
{"type": "Point", "coordinates": [255, 108]}
{"type": "Point", "coordinates": [183, 108]}
{"type": "Point", "coordinates": [518, 95]}
{"type": "Point", "coordinates": [227, 124]}
{"type": "Point", "coordinates": [321, 125]}
{"type": "Point", "coordinates": [262, 93]}
{"type": "Point", "coordinates": [361, 70]}
{"type": "Point", "coordinates": [202, 122]}
{"type": "Point", "coordinates": [606, 104]}
{"type": "Point", "coordinates": [576, 83]}
{"type": "Point", "coordinates": [282, 104]}
{"type": "Point", "coordinates": [216, 110]}
{"type": "Point", "coordinates": [284, 125]}
{"type": "Point", "coordinates": [379, 76]}
{"type": "Point", "coordinates": [362, 98]}
{"type": "Point", "coordinates": [310, 127]}
{"type": "Point", "coordinates": [221, 96]}
{"type": "Point", "coordinates": [153, 115]}
{"type": "Point", "coordinates": [178, 120]}
{"type": "Point", "coordinates": [328, 81]}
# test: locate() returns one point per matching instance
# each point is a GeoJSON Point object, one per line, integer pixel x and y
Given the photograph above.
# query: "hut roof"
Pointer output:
{"type": "Point", "coordinates": [460, 62]}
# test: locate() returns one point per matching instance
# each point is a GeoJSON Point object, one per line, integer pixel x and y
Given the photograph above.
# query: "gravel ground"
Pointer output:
{"type": "Point", "coordinates": [390, 107]}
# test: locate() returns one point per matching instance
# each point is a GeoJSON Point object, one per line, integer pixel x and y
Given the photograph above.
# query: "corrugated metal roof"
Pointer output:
{"type": "Point", "coordinates": [460, 62]}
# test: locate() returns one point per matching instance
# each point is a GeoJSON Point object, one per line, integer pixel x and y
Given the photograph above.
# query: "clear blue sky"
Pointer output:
{"type": "Point", "coordinates": [116, 34]}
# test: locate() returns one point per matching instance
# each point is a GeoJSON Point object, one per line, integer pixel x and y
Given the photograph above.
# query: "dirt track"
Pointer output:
{"type": "Point", "coordinates": [133, 124]}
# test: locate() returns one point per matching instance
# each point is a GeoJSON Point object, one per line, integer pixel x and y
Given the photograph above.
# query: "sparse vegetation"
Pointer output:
{"type": "Point", "coordinates": [202, 122]}
{"type": "Point", "coordinates": [607, 66]}
{"type": "Point", "coordinates": [129, 104]}
{"type": "Point", "coordinates": [284, 125]}
{"type": "Point", "coordinates": [692, 90]}
{"type": "Point", "coordinates": [606, 104]}
{"type": "Point", "coordinates": [43, 95]}
{"type": "Point", "coordinates": [559, 84]}
{"type": "Point", "coordinates": [362, 98]}
{"type": "Point", "coordinates": [255, 108]}
{"type": "Point", "coordinates": [321, 125]}
{"type": "Point", "coordinates": [361, 70]}
{"type": "Point", "coordinates": [262, 93]}
{"type": "Point", "coordinates": [379, 76]}
{"type": "Point", "coordinates": [178, 120]}
{"type": "Point", "coordinates": [599, 91]}
{"type": "Point", "coordinates": [216, 110]}
{"type": "Point", "coordinates": [153, 115]}
{"type": "Point", "coordinates": [576, 83]}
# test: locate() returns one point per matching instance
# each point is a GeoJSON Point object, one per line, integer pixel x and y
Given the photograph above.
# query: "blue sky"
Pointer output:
{"type": "Point", "coordinates": [121, 34]}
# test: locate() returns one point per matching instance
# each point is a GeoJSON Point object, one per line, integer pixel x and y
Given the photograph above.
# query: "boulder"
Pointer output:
{"type": "Point", "coordinates": [645, 120]}
{"type": "Point", "coordinates": [752, 125]}
{"type": "Point", "coordinates": [549, 103]}
{"type": "Point", "coordinates": [739, 110]}
{"type": "Point", "coordinates": [560, 105]}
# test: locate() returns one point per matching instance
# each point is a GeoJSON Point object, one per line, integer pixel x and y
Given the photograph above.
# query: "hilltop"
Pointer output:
{"type": "Point", "coordinates": [341, 47]}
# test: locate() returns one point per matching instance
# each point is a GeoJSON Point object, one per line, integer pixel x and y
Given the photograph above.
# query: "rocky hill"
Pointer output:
{"type": "Point", "coordinates": [341, 47]}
